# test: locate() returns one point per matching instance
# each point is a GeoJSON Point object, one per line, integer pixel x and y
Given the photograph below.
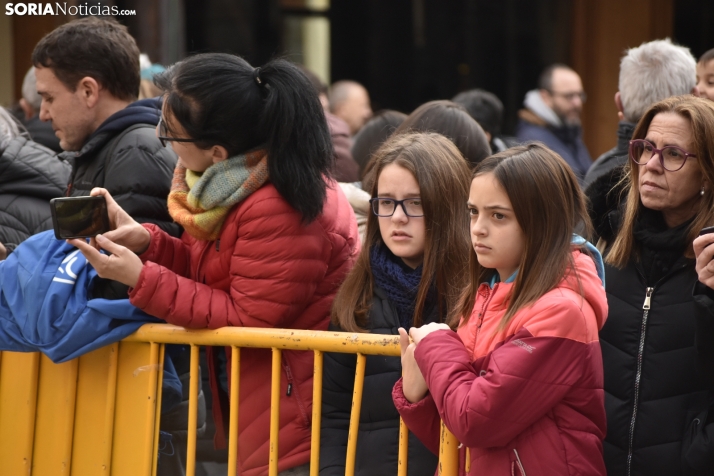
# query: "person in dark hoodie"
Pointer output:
{"type": "Point", "coordinates": [88, 76]}
{"type": "Point", "coordinates": [30, 175]}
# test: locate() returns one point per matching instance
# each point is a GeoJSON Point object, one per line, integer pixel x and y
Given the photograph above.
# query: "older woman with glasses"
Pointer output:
{"type": "Point", "coordinates": [656, 390]}
{"type": "Point", "coordinates": [268, 235]}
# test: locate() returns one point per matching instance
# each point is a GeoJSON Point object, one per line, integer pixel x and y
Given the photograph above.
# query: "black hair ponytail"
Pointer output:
{"type": "Point", "coordinates": [297, 137]}
{"type": "Point", "coordinates": [220, 99]}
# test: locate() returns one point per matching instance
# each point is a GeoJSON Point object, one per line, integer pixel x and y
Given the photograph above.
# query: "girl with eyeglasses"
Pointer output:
{"type": "Point", "coordinates": [409, 272]}
{"type": "Point", "coordinates": [520, 381]}
{"type": "Point", "coordinates": [268, 236]}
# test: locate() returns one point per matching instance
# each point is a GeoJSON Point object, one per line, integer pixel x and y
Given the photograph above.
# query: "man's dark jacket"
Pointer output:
{"type": "Point", "coordinates": [378, 436]}
{"type": "Point", "coordinates": [30, 175]}
{"type": "Point", "coordinates": [614, 157]}
{"type": "Point", "coordinates": [124, 156]}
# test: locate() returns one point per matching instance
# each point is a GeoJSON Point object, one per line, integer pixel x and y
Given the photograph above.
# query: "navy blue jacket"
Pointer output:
{"type": "Point", "coordinates": [566, 141]}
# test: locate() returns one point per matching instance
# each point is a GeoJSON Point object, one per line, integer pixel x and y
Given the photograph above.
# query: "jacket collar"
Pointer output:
{"type": "Point", "coordinates": [534, 103]}
{"type": "Point", "coordinates": [624, 135]}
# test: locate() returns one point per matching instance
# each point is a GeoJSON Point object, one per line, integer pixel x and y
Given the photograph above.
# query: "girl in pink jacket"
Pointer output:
{"type": "Point", "coordinates": [520, 384]}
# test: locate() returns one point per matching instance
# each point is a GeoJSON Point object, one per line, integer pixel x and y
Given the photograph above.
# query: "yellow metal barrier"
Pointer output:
{"type": "Point", "coordinates": [94, 415]}
{"type": "Point", "coordinates": [99, 414]}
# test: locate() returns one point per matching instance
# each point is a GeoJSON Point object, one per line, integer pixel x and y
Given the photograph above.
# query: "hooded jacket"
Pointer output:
{"type": "Point", "coordinates": [124, 156]}
{"type": "Point", "coordinates": [527, 399]}
{"type": "Point", "coordinates": [30, 175]}
{"type": "Point", "coordinates": [538, 122]}
{"type": "Point", "coordinates": [267, 269]}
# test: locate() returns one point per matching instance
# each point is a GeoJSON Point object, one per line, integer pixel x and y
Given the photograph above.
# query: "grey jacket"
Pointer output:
{"type": "Point", "coordinates": [30, 175]}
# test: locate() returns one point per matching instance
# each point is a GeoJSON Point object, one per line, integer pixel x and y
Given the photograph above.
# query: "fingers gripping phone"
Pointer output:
{"type": "Point", "coordinates": [79, 217]}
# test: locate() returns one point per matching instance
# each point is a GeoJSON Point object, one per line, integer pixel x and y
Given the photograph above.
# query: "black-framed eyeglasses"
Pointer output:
{"type": "Point", "coordinates": [570, 96]}
{"type": "Point", "coordinates": [671, 157]}
{"type": "Point", "coordinates": [164, 138]}
{"type": "Point", "coordinates": [385, 207]}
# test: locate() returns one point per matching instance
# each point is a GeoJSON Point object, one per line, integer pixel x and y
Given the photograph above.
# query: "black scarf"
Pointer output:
{"type": "Point", "coordinates": [660, 247]}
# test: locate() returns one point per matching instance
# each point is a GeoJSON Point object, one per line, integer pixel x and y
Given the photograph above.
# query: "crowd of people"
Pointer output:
{"type": "Point", "coordinates": [557, 314]}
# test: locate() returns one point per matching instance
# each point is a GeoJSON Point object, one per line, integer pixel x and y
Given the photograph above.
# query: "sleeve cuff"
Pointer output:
{"type": "Point", "coordinates": [401, 402]}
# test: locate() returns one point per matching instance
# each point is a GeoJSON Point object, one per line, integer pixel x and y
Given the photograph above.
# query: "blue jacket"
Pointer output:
{"type": "Point", "coordinates": [44, 304]}
{"type": "Point", "coordinates": [566, 141]}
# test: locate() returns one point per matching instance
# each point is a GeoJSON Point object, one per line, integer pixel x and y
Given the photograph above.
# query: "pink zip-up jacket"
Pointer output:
{"type": "Point", "coordinates": [527, 399]}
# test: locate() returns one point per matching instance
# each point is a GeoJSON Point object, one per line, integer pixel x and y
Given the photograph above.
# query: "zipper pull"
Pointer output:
{"type": "Point", "coordinates": [646, 305]}
{"type": "Point", "coordinates": [218, 244]}
{"type": "Point", "coordinates": [290, 390]}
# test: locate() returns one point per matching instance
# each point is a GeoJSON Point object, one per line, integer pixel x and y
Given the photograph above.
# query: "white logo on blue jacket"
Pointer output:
{"type": "Point", "coordinates": [68, 262]}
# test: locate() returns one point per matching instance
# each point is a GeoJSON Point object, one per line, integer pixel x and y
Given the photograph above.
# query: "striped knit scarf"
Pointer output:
{"type": "Point", "coordinates": [201, 202]}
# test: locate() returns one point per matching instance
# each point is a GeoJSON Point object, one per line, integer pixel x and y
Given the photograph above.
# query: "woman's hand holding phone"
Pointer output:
{"type": "Point", "coordinates": [704, 255]}
{"type": "Point", "coordinates": [125, 231]}
{"type": "Point", "coordinates": [125, 241]}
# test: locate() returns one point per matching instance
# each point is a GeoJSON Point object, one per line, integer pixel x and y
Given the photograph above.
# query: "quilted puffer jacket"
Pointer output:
{"type": "Point", "coordinates": [527, 399]}
{"type": "Point", "coordinates": [30, 176]}
{"type": "Point", "coordinates": [267, 269]}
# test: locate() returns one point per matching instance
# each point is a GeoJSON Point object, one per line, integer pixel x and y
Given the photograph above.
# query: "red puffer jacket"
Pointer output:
{"type": "Point", "coordinates": [527, 399]}
{"type": "Point", "coordinates": [266, 270]}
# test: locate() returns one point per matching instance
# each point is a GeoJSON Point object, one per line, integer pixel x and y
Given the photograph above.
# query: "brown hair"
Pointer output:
{"type": "Point", "coordinates": [452, 121]}
{"type": "Point", "coordinates": [99, 48]}
{"type": "Point", "coordinates": [549, 205]}
{"type": "Point", "coordinates": [443, 178]}
{"type": "Point", "coordinates": [700, 114]}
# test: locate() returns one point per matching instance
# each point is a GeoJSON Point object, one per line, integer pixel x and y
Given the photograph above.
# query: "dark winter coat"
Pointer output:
{"type": "Point", "coordinates": [656, 394]}
{"type": "Point", "coordinates": [42, 133]}
{"type": "Point", "coordinates": [653, 389]}
{"type": "Point", "coordinates": [124, 156]}
{"type": "Point", "coordinates": [378, 437]}
{"type": "Point", "coordinates": [614, 157]}
{"type": "Point", "coordinates": [30, 175]}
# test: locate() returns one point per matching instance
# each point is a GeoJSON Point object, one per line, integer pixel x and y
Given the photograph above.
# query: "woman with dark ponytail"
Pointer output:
{"type": "Point", "coordinates": [268, 236]}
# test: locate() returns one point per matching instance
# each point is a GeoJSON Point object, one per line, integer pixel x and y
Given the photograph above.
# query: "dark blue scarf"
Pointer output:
{"type": "Point", "coordinates": [400, 282]}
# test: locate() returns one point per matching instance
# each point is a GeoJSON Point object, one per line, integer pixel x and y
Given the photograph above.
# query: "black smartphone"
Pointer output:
{"type": "Point", "coordinates": [706, 230]}
{"type": "Point", "coordinates": [79, 217]}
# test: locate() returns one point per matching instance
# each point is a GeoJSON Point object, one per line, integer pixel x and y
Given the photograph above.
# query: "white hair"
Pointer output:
{"type": "Point", "coordinates": [340, 92]}
{"type": "Point", "coordinates": [9, 129]}
{"type": "Point", "coordinates": [29, 90]}
{"type": "Point", "coordinates": [652, 72]}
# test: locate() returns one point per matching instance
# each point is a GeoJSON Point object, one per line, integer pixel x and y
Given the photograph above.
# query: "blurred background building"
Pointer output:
{"type": "Point", "coordinates": [405, 52]}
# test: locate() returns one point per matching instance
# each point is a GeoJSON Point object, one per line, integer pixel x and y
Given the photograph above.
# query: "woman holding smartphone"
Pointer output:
{"type": "Point", "coordinates": [268, 235]}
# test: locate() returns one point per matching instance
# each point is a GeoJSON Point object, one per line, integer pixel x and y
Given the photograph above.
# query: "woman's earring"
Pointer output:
{"type": "Point", "coordinates": [701, 192]}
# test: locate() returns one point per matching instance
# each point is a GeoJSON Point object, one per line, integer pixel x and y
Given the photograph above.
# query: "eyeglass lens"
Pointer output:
{"type": "Point", "coordinates": [672, 157]}
{"type": "Point", "coordinates": [385, 207]}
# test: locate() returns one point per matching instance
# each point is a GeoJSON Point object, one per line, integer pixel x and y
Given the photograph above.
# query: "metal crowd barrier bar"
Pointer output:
{"type": "Point", "coordinates": [99, 414]}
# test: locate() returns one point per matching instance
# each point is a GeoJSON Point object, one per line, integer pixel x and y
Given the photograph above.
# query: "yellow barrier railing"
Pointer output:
{"type": "Point", "coordinates": [52, 417]}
